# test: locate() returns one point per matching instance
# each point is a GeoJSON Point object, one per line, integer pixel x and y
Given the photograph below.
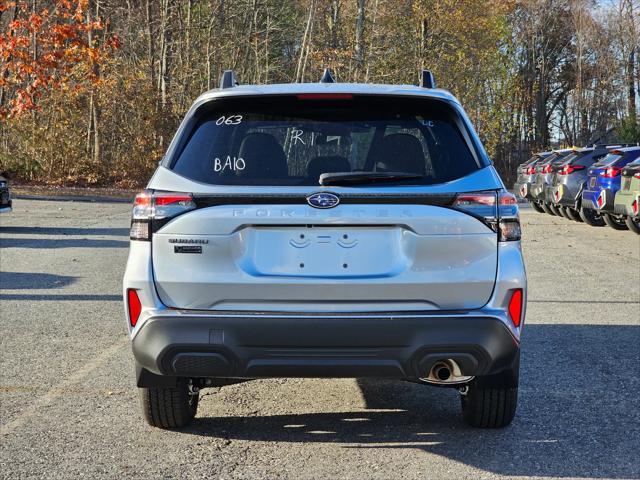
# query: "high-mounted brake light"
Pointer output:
{"type": "Point", "coordinates": [325, 96]}
{"type": "Point", "coordinates": [154, 209]}
{"type": "Point", "coordinates": [569, 169]}
{"type": "Point", "coordinates": [499, 211]}
{"type": "Point", "coordinates": [134, 306]}
{"type": "Point", "coordinates": [515, 307]}
{"type": "Point", "coordinates": [611, 172]}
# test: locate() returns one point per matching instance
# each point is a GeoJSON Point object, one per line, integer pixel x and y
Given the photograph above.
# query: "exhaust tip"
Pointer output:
{"type": "Point", "coordinates": [446, 372]}
{"type": "Point", "coordinates": [443, 372]}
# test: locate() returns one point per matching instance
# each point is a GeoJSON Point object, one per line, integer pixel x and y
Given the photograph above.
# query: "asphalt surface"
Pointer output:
{"type": "Point", "coordinates": [69, 407]}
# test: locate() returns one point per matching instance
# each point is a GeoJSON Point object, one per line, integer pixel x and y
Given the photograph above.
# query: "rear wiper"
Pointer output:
{"type": "Point", "coordinates": [360, 178]}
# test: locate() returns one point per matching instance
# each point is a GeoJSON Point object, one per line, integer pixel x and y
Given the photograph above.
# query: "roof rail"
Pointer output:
{"type": "Point", "coordinates": [428, 80]}
{"type": "Point", "coordinates": [327, 77]}
{"type": "Point", "coordinates": [228, 79]}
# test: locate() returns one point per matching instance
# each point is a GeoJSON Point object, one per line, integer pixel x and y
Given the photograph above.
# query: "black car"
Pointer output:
{"type": "Point", "coordinates": [5, 195]}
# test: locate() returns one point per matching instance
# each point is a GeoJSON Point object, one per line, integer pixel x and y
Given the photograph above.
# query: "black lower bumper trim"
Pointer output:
{"type": "Point", "coordinates": [264, 347]}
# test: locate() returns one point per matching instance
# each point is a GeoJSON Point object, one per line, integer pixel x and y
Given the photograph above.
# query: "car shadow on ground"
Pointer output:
{"type": "Point", "coordinates": [578, 412]}
{"type": "Point", "coordinates": [17, 242]}
{"type": "Point", "coordinates": [106, 231]}
{"type": "Point", "coordinates": [33, 281]}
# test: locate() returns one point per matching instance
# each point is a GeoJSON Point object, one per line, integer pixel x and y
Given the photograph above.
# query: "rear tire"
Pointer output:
{"type": "Point", "coordinates": [546, 208]}
{"type": "Point", "coordinates": [169, 407]}
{"type": "Point", "coordinates": [536, 207]}
{"type": "Point", "coordinates": [634, 225]}
{"type": "Point", "coordinates": [591, 217]}
{"type": "Point", "coordinates": [615, 222]}
{"type": "Point", "coordinates": [573, 214]}
{"type": "Point", "coordinates": [489, 407]}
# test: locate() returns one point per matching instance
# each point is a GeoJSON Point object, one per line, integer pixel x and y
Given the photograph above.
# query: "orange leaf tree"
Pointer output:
{"type": "Point", "coordinates": [42, 49]}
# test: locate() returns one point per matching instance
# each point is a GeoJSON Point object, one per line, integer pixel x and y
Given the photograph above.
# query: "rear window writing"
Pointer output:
{"type": "Point", "coordinates": [291, 142]}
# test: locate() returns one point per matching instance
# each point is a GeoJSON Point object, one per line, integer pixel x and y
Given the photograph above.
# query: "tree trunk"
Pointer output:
{"type": "Point", "coordinates": [359, 46]}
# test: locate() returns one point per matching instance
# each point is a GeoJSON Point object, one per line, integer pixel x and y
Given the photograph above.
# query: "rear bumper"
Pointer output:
{"type": "Point", "coordinates": [522, 190]}
{"type": "Point", "coordinates": [567, 196]}
{"type": "Point", "coordinates": [590, 200]}
{"type": "Point", "coordinates": [241, 345]}
{"type": "Point", "coordinates": [624, 201]}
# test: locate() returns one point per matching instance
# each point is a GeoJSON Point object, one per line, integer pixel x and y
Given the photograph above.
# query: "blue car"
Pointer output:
{"type": "Point", "coordinates": [602, 184]}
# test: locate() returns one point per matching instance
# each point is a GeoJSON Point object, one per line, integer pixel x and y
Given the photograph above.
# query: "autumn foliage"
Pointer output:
{"type": "Point", "coordinates": [48, 49]}
{"type": "Point", "coordinates": [91, 91]}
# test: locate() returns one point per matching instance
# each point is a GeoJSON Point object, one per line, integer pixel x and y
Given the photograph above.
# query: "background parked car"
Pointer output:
{"type": "Point", "coordinates": [526, 173]}
{"type": "Point", "coordinates": [627, 201]}
{"type": "Point", "coordinates": [5, 195]}
{"type": "Point", "coordinates": [604, 182]}
{"type": "Point", "coordinates": [542, 179]}
{"type": "Point", "coordinates": [569, 180]}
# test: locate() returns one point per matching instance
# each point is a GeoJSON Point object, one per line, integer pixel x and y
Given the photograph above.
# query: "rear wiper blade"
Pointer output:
{"type": "Point", "coordinates": [361, 178]}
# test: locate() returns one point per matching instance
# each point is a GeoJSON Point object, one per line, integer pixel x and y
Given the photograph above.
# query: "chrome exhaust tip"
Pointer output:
{"type": "Point", "coordinates": [446, 372]}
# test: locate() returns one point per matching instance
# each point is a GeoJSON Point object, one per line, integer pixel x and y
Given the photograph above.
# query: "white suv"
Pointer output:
{"type": "Point", "coordinates": [325, 230]}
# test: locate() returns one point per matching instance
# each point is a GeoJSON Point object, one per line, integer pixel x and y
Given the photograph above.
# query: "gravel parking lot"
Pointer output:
{"type": "Point", "coordinates": [69, 407]}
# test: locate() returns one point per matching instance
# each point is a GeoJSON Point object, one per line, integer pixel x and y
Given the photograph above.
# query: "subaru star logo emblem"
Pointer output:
{"type": "Point", "coordinates": [323, 200]}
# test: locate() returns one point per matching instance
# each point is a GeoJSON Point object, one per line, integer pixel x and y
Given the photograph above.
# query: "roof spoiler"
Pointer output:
{"type": "Point", "coordinates": [428, 80]}
{"type": "Point", "coordinates": [228, 80]}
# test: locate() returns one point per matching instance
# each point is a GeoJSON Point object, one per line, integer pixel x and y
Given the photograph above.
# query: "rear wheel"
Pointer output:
{"type": "Point", "coordinates": [591, 217]}
{"type": "Point", "coordinates": [169, 407]}
{"type": "Point", "coordinates": [616, 223]}
{"type": "Point", "coordinates": [633, 224]}
{"type": "Point", "coordinates": [556, 211]}
{"type": "Point", "coordinates": [573, 214]}
{"type": "Point", "coordinates": [488, 406]}
{"type": "Point", "coordinates": [536, 207]}
{"type": "Point", "coordinates": [546, 209]}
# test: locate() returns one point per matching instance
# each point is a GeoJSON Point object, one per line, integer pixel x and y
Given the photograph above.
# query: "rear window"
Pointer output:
{"type": "Point", "coordinates": [608, 160]}
{"type": "Point", "coordinates": [286, 140]}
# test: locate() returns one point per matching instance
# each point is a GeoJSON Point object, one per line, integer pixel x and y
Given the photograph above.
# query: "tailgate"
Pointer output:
{"type": "Point", "coordinates": [382, 257]}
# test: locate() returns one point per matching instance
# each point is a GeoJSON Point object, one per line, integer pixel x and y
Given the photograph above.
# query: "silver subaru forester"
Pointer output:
{"type": "Point", "coordinates": [325, 230]}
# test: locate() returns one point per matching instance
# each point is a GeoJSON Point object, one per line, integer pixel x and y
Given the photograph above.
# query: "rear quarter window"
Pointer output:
{"type": "Point", "coordinates": [291, 141]}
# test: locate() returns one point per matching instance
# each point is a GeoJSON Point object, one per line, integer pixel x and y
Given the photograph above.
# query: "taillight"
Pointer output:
{"type": "Point", "coordinates": [546, 169]}
{"type": "Point", "coordinates": [568, 169]}
{"type": "Point", "coordinates": [530, 170]}
{"type": "Point", "coordinates": [637, 175]}
{"type": "Point", "coordinates": [133, 306]}
{"type": "Point", "coordinates": [611, 172]}
{"type": "Point", "coordinates": [635, 207]}
{"type": "Point", "coordinates": [515, 307]}
{"type": "Point", "coordinates": [151, 210]}
{"type": "Point", "coordinates": [499, 211]}
{"type": "Point", "coordinates": [600, 199]}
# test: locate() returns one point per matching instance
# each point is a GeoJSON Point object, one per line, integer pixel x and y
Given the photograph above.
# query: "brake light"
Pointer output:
{"type": "Point", "coordinates": [569, 169]}
{"type": "Point", "coordinates": [498, 211]}
{"type": "Point", "coordinates": [600, 200]}
{"type": "Point", "coordinates": [546, 169]}
{"type": "Point", "coordinates": [150, 208]}
{"type": "Point", "coordinates": [611, 172]}
{"type": "Point", "coordinates": [133, 306]}
{"type": "Point", "coordinates": [635, 207]}
{"type": "Point", "coordinates": [637, 175]}
{"type": "Point", "coordinates": [325, 96]}
{"type": "Point", "coordinates": [530, 170]}
{"type": "Point", "coordinates": [515, 307]}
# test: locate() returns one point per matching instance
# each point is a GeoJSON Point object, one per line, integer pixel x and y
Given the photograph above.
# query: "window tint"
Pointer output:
{"type": "Point", "coordinates": [291, 141]}
{"type": "Point", "coordinates": [608, 160]}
